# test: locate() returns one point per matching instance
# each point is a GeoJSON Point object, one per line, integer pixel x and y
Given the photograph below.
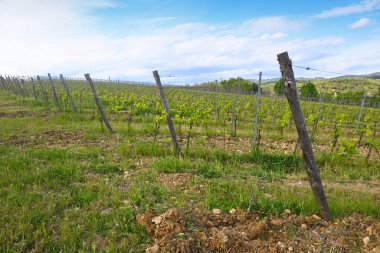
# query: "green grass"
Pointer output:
{"type": "Point", "coordinates": [49, 202]}
{"type": "Point", "coordinates": [84, 197]}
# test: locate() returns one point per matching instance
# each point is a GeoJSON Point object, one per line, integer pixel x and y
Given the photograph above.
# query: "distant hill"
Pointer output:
{"type": "Point", "coordinates": [337, 85]}
{"type": "Point", "coordinates": [375, 75]}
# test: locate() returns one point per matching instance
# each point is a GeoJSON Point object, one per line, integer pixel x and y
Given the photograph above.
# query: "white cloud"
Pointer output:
{"type": "Point", "coordinates": [360, 23]}
{"type": "Point", "coordinates": [41, 37]}
{"type": "Point", "coordinates": [273, 24]}
{"type": "Point", "coordinates": [278, 35]}
{"type": "Point", "coordinates": [362, 7]}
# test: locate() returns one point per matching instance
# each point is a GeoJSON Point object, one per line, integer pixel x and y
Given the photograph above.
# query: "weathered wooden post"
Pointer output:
{"type": "Point", "coordinates": [11, 84]}
{"type": "Point", "coordinates": [42, 89]}
{"type": "Point", "coordinates": [233, 118]}
{"type": "Point", "coordinates": [19, 87]}
{"type": "Point", "coordinates": [68, 93]}
{"type": "Point", "coordinates": [216, 100]}
{"type": "Point", "coordinates": [168, 117]}
{"type": "Point", "coordinates": [320, 107]}
{"type": "Point", "coordinates": [257, 113]}
{"type": "Point", "coordinates": [54, 93]}
{"type": "Point", "coordinates": [25, 88]}
{"type": "Point", "coordinates": [361, 111]}
{"type": "Point", "coordinates": [307, 151]}
{"type": "Point", "coordinates": [34, 89]}
{"type": "Point", "coordinates": [7, 84]}
{"type": "Point", "coordinates": [3, 83]}
{"type": "Point", "coordinates": [100, 108]}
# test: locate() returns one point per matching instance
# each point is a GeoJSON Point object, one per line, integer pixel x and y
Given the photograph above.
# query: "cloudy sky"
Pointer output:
{"type": "Point", "coordinates": [188, 40]}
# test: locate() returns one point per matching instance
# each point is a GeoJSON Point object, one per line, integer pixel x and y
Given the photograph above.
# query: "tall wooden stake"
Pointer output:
{"type": "Point", "coordinates": [68, 93]}
{"type": "Point", "coordinates": [233, 118]}
{"type": "Point", "coordinates": [54, 93]}
{"type": "Point", "coordinates": [34, 89]}
{"type": "Point", "coordinates": [100, 108]}
{"type": "Point", "coordinates": [361, 111]}
{"type": "Point", "coordinates": [307, 151]}
{"type": "Point", "coordinates": [24, 87]}
{"type": "Point", "coordinates": [320, 106]}
{"type": "Point", "coordinates": [19, 87]}
{"type": "Point", "coordinates": [3, 83]}
{"type": "Point", "coordinates": [11, 84]}
{"type": "Point", "coordinates": [42, 89]}
{"type": "Point", "coordinates": [168, 117]}
{"type": "Point", "coordinates": [257, 112]}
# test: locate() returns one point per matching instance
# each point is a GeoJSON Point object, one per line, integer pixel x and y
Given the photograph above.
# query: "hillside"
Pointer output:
{"type": "Point", "coordinates": [337, 85]}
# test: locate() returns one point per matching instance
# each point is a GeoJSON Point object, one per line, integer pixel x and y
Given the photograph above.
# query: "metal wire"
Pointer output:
{"type": "Point", "coordinates": [323, 71]}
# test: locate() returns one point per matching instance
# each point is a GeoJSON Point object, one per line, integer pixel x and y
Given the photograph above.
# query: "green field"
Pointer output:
{"type": "Point", "coordinates": [68, 185]}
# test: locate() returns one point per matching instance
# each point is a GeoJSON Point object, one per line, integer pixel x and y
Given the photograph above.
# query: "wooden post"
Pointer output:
{"type": "Point", "coordinates": [168, 117]}
{"type": "Point", "coordinates": [361, 111]}
{"type": "Point", "coordinates": [307, 151]}
{"type": "Point", "coordinates": [34, 89]}
{"type": "Point", "coordinates": [4, 83]}
{"type": "Point", "coordinates": [54, 93]}
{"type": "Point", "coordinates": [24, 87]}
{"type": "Point", "coordinates": [42, 89]}
{"type": "Point", "coordinates": [19, 87]}
{"type": "Point", "coordinates": [100, 108]}
{"type": "Point", "coordinates": [216, 100]}
{"type": "Point", "coordinates": [233, 118]}
{"type": "Point", "coordinates": [68, 93]}
{"type": "Point", "coordinates": [257, 112]}
{"type": "Point", "coordinates": [320, 106]}
{"type": "Point", "coordinates": [10, 84]}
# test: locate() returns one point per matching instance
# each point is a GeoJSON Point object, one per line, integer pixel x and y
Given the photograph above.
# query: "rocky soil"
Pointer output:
{"type": "Point", "coordinates": [197, 231]}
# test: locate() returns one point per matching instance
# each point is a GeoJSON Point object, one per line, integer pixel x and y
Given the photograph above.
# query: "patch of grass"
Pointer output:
{"type": "Point", "coordinates": [145, 194]}
{"type": "Point", "coordinates": [274, 162]}
{"type": "Point", "coordinates": [175, 165]}
{"type": "Point", "coordinates": [106, 168]}
{"type": "Point", "coordinates": [335, 166]}
{"type": "Point", "coordinates": [227, 195]}
{"type": "Point", "coordinates": [275, 198]}
{"type": "Point", "coordinates": [143, 148]}
{"type": "Point", "coordinates": [82, 195]}
{"type": "Point", "coordinates": [41, 190]}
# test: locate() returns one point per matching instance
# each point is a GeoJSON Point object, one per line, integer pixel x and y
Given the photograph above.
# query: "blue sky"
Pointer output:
{"type": "Point", "coordinates": [191, 41]}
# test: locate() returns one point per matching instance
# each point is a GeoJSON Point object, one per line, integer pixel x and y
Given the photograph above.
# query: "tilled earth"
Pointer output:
{"type": "Point", "coordinates": [197, 231]}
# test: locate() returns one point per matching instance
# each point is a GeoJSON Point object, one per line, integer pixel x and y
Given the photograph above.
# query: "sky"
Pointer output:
{"type": "Point", "coordinates": [188, 41]}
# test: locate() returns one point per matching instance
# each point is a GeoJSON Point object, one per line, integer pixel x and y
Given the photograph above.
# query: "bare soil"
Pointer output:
{"type": "Point", "coordinates": [175, 179]}
{"type": "Point", "coordinates": [244, 145]}
{"type": "Point", "coordinates": [62, 138]}
{"type": "Point", "coordinates": [196, 231]}
{"type": "Point", "coordinates": [372, 187]}
{"type": "Point", "coordinates": [16, 114]}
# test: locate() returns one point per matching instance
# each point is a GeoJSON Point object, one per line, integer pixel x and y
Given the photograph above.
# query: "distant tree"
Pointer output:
{"type": "Point", "coordinates": [279, 87]}
{"type": "Point", "coordinates": [254, 87]}
{"type": "Point", "coordinates": [309, 91]}
{"type": "Point", "coordinates": [232, 85]}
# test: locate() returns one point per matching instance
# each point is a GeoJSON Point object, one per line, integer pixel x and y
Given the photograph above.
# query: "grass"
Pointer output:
{"type": "Point", "coordinates": [50, 202]}
{"type": "Point", "coordinates": [84, 198]}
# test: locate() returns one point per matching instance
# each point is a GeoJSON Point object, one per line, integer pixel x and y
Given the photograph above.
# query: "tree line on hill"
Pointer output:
{"type": "Point", "coordinates": [307, 91]}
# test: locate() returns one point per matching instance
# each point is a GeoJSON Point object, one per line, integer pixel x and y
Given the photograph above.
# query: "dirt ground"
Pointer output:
{"type": "Point", "coordinates": [236, 231]}
{"type": "Point", "coordinates": [62, 138]}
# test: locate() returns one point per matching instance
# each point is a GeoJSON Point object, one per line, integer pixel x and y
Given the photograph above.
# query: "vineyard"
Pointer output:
{"type": "Point", "coordinates": [70, 184]}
